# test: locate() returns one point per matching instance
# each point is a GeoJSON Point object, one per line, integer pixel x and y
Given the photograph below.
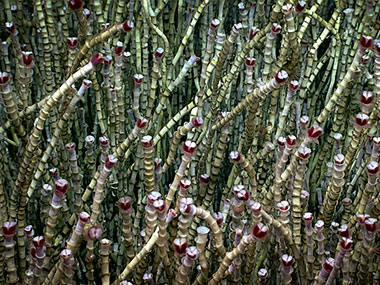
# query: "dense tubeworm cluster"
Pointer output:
{"type": "Point", "coordinates": [189, 142]}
